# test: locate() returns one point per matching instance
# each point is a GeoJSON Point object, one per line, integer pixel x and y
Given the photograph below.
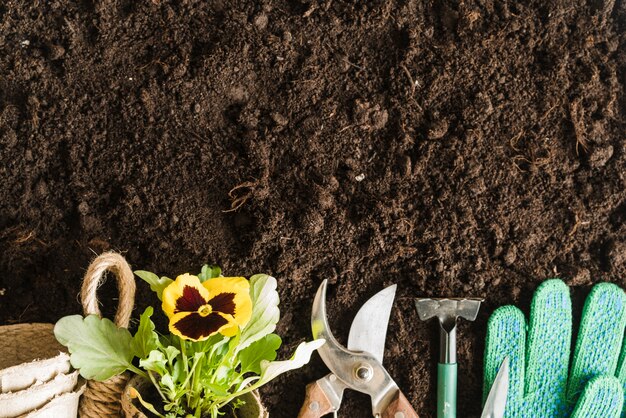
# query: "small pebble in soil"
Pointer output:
{"type": "Point", "coordinates": [325, 199]}
{"type": "Point", "coordinates": [279, 119]}
{"type": "Point", "coordinates": [333, 183]}
{"type": "Point", "coordinates": [260, 21]}
{"type": "Point", "coordinates": [511, 255]}
{"type": "Point", "coordinates": [600, 155]}
{"type": "Point", "coordinates": [438, 129]}
{"type": "Point", "coordinates": [56, 52]}
{"type": "Point", "coordinates": [313, 222]}
{"type": "Point", "coordinates": [83, 208]}
{"type": "Point", "coordinates": [360, 177]}
{"type": "Point", "coordinates": [370, 116]}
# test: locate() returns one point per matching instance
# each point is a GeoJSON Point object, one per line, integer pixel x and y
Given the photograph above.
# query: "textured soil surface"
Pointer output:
{"type": "Point", "coordinates": [470, 148]}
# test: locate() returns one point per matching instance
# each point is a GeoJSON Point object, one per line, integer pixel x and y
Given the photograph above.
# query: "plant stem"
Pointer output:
{"type": "Point", "coordinates": [191, 372]}
{"type": "Point", "coordinates": [156, 385]}
{"type": "Point", "coordinates": [196, 378]}
{"type": "Point", "coordinates": [137, 371]}
{"type": "Point", "coordinates": [237, 394]}
{"type": "Point", "coordinates": [183, 351]}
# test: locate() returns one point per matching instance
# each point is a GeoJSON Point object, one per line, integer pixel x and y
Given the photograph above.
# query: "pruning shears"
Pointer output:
{"type": "Point", "coordinates": [359, 366]}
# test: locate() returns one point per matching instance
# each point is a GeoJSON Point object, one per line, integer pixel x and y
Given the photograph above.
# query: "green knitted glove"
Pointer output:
{"type": "Point", "coordinates": [539, 386]}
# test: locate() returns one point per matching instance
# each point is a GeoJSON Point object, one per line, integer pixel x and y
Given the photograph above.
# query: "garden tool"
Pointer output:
{"type": "Point", "coordinates": [496, 400]}
{"type": "Point", "coordinates": [543, 385]}
{"type": "Point", "coordinates": [359, 366]}
{"type": "Point", "coordinates": [447, 311]}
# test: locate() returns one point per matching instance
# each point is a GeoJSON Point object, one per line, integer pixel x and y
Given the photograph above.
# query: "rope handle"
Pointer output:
{"type": "Point", "coordinates": [95, 276]}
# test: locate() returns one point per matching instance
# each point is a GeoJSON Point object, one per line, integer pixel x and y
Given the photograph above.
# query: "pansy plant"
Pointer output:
{"type": "Point", "coordinates": [220, 343]}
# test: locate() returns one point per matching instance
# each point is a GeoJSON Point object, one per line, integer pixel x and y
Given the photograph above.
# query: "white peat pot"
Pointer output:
{"type": "Point", "coordinates": [36, 380]}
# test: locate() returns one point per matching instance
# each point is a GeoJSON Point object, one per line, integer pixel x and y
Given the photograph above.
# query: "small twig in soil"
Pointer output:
{"type": "Point", "coordinates": [408, 74]}
{"type": "Point", "coordinates": [24, 238]}
{"type": "Point", "coordinates": [514, 140]}
{"type": "Point", "coordinates": [353, 64]}
{"type": "Point", "coordinates": [19, 318]}
{"type": "Point", "coordinates": [577, 114]}
{"type": "Point", "coordinates": [577, 223]}
{"type": "Point", "coordinates": [239, 201]}
{"type": "Point", "coordinates": [517, 160]}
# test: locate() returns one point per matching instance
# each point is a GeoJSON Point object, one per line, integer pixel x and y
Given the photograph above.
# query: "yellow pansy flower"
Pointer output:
{"type": "Point", "coordinates": [198, 310]}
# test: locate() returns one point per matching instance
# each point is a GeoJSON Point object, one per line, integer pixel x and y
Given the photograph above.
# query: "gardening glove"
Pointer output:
{"type": "Point", "coordinates": [539, 385]}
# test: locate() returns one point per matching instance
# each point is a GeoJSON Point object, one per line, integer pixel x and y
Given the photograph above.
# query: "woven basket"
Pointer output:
{"type": "Point", "coordinates": [34, 379]}
{"type": "Point", "coordinates": [252, 408]}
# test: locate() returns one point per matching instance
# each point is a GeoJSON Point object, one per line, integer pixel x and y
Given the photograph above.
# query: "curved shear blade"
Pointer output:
{"type": "Point", "coordinates": [496, 400]}
{"type": "Point", "coordinates": [344, 363]}
{"type": "Point", "coordinates": [369, 327]}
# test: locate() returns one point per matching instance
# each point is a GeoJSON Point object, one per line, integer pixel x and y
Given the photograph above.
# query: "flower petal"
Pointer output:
{"type": "Point", "coordinates": [223, 302]}
{"type": "Point", "coordinates": [238, 286]}
{"type": "Point", "coordinates": [185, 294]}
{"type": "Point", "coordinates": [230, 331]}
{"type": "Point", "coordinates": [193, 326]}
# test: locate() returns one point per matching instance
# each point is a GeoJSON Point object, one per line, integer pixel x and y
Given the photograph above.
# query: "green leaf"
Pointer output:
{"type": "Point", "coordinates": [265, 312]}
{"type": "Point", "coordinates": [156, 284]}
{"type": "Point", "coordinates": [171, 353]}
{"type": "Point", "coordinates": [209, 272]}
{"type": "Point", "coordinates": [272, 369]}
{"type": "Point", "coordinates": [145, 340]}
{"type": "Point", "coordinates": [222, 374]}
{"type": "Point", "coordinates": [134, 393]}
{"type": "Point", "coordinates": [263, 349]}
{"type": "Point", "coordinates": [168, 382]}
{"type": "Point", "coordinates": [219, 390]}
{"type": "Point", "coordinates": [98, 348]}
{"type": "Point", "coordinates": [156, 362]}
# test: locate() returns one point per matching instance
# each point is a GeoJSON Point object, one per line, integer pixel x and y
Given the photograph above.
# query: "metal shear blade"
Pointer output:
{"type": "Point", "coordinates": [358, 370]}
{"type": "Point", "coordinates": [496, 400]}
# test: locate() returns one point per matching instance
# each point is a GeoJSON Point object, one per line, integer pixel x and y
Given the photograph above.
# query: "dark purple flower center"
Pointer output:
{"type": "Point", "coordinates": [197, 327]}
{"type": "Point", "coordinates": [224, 302]}
{"type": "Point", "coordinates": [190, 301]}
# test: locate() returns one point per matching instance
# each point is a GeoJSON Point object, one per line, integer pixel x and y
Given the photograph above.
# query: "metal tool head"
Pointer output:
{"type": "Point", "coordinates": [495, 404]}
{"type": "Point", "coordinates": [448, 309]}
{"type": "Point", "coordinates": [358, 370]}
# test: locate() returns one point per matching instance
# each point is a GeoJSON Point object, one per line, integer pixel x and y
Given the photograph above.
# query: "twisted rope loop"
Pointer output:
{"type": "Point", "coordinates": [102, 399]}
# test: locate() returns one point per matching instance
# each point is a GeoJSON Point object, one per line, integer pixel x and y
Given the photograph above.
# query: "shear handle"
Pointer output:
{"type": "Point", "coordinates": [400, 408]}
{"type": "Point", "coordinates": [316, 404]}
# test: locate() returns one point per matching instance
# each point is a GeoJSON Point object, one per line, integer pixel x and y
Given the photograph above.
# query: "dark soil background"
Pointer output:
{"type": "Point", "coordinates": [470, 148]}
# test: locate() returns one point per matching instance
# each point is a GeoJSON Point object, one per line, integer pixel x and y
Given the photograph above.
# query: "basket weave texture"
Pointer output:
{"type": "Point", "coordinates": [22, 343]}
{"type": "Point", "coordinates": [34, 377]}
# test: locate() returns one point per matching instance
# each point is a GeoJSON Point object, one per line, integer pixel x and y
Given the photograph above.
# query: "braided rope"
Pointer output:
{"type": "Point", "coordinates": [102, 399]}
{"type": "Point", "coordinates": [94, 277]}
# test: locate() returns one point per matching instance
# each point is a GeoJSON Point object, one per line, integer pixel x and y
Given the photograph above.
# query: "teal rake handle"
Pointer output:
{"type": "Point", "coordinates": [446, 390]}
